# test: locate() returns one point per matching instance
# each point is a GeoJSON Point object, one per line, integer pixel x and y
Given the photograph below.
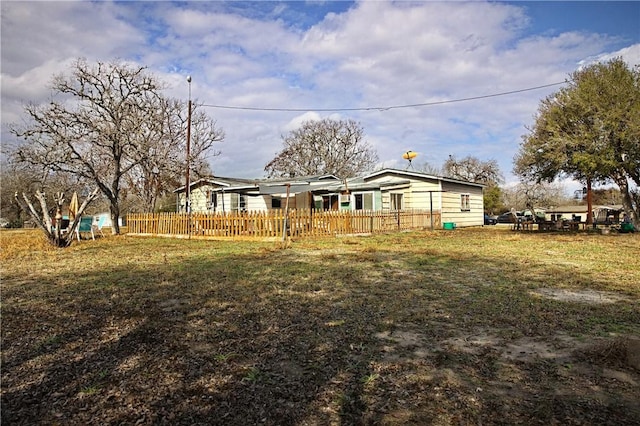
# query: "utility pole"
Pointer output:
{"type": "Point", "coordinates": [188, 193]}
{"type": "Point", "coordinates": [188, 178]}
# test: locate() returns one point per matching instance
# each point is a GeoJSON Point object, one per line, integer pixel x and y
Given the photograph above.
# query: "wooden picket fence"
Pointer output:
{"type": "Point", "coordinates": [273, 224]}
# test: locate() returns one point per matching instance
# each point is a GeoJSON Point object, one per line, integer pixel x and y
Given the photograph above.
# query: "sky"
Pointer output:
{"type": "Point", "coordinates": [376, 62]}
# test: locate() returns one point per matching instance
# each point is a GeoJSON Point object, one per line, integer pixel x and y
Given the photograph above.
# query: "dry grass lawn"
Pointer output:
{"type": "Point", "coordinates": [469, 327]}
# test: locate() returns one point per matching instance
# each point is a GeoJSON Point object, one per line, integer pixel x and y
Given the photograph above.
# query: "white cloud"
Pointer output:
{"type": "Point", "coordinates": [374, 54]}
{"type": "Point", "coordinates": [630, 55]}
{"type": "Point", "coordinates": [297, 121]}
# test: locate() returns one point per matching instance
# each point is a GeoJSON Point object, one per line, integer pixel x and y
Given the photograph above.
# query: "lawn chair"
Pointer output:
{"type": "Point", "coordinates": [99, 222]}
{"type": "Point", "coordinates": [85, 225]}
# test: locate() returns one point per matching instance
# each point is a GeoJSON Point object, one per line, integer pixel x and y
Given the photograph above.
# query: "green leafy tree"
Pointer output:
{"type": "Point", "coordinates": [590, 131]}
{"type": "Point", "coordinates": [493, 197]}
{"type": "Point", "coordinates": [327, 146]}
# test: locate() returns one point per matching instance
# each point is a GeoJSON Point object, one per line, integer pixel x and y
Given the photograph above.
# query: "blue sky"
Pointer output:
{"type": "Point", "coordinates": [320, 55]}
{"type": "Point", "coordinates": [620, 18]}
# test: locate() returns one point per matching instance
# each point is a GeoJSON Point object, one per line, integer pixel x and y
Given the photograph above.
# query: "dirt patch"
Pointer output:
{"type": "Point", "coordinates": [621, 352]}
{"type": "Point", "coordinates": [582, 296]}
{"type": "Point", "coordinates": [486, 366]}
{"type": "Point", "coordinates": [526, 349]}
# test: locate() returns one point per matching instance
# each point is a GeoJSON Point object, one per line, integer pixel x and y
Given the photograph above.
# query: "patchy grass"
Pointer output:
{"type": "Point", "coordinates": [474, 326]}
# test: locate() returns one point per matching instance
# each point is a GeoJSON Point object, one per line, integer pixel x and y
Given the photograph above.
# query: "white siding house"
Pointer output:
{"type": "Point", "coordinates": [388, 189]}
{"type": "Point", "coordinates": [458, 201]}
{"type": "Point", "coordinates": [462, 203]}
{"type": "Point", "coordinates": [221, 194]}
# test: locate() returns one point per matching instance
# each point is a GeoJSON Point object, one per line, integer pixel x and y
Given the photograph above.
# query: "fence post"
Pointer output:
{"type": "Point", "coordinates": [286, 214]}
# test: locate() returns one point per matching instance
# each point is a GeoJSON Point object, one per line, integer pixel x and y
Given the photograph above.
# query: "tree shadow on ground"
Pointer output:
{"type": "Point", "coordinates": [360, 337]}
{"type": "Point", "coordinates": [219, 345]}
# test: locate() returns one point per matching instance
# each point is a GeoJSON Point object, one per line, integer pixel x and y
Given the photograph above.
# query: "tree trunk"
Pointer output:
{"type": "Point", "coordinates": [627, 200]}
{"type": "Point", "coordinates": [589, 203]}
{"type": "Point", "coordinates": [52, 229]}
{"type": "Point", "coordinates": [114, 208]}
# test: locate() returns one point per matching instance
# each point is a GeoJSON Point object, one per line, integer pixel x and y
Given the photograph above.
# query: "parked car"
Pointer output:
{"type": "Point", "coordinates": [490, 220]}
{"type": "Point", "coordinates": [527, 215]}
{"type": "Point", "coordinates": [507, 217]}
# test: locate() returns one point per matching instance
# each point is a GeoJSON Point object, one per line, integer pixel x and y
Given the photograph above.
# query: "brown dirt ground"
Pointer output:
{"type": "Point", "coordinates": [126, 372]}
{"type": "Point", "coordinates": [170, 354]}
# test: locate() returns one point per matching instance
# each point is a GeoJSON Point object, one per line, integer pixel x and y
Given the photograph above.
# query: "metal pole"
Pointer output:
{"type": "Point", "coordinates": [188, 177]}
{"type": "Point", "coordinates": [431, 208]}
{"type": "Point", "coordinates": [286, 214]}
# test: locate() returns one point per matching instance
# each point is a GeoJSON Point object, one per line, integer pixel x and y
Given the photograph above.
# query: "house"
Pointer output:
{"type": "Point", "coordinates": [222, 194]}
{"type": "Point", "coordinates": [388, 189]}
{"type": "Point", "coordinates": [577, 213]}
{"type": "Point", "coordinates": [458, 201]}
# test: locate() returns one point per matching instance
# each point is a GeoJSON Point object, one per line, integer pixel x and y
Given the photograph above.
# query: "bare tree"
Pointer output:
{"type": "Point", "coordinates": [487, 173]}
{"type": "Point", "coordinates": [52, 227]}
{"type": "Point", "coordinates": [542, 194]}
{"type": "Point", "coordinates": [472, 169]}
{"type": "Point", "coordinates": [110, 125]}
{"type": "Point", "coordinates": [323, 147]}
{"type": "Point", "coordinates": [165, 167]}
{"type": "Point", "coordinates": [21, 177]}
{"type": "Point", "coordinates": [15, 178]}
{"type": "Point", "coordinates": [428, 168]}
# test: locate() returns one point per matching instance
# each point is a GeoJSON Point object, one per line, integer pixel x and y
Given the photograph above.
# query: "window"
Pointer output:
{"type": "Point", "coordinates": [212, 200]}
{"type": "Point", "coordinates": [238, 202]}
{"type": "Point", "coordinates": [464, 203]}
{"type": "Point", "coordinates": [363, 201]}
{"type": "Point", "coordinates": [396, 201]}
{"type": "Point", "coordinates": [276, 203]}
{"type": "Point", "coordinates": [330, 202]}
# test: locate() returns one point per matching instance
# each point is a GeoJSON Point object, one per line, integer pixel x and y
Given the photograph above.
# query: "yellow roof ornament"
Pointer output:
{"type": "Point", "coordinates": [409, 155]}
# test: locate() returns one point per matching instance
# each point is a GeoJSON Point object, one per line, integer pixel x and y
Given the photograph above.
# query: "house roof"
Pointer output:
{"type": "Point", "coordinates": [419, 175]}
{"type": "Point", "coordinates": [361, 184]}
{"type": "Point", "coordinates": [616, 207]}
{"type": "Point", "coordinates": [220, 181]}
{"type": "Point", "coordinates": [307, 178]}
{"type": "Point", "coordinates": [568, 209]}
{"type": "Point", "coordinates": [263, 186]}
{"type": "Point", "coordinates": [327, 182]}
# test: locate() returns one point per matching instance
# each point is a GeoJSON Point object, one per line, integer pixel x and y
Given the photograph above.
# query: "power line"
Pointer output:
{"type": "Point", "coordinates": [384, 108]}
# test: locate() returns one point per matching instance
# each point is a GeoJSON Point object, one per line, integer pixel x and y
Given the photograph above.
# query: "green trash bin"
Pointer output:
{"type": "Point", "coordinates": [449, 226]}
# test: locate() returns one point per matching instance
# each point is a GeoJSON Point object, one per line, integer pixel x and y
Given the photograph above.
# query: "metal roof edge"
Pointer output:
{"type": "Point", "coordinates": [420, 175]}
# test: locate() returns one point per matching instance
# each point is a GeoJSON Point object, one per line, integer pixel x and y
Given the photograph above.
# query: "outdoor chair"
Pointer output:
{"type": "Point", "coordinates": [99, 223]}
{"type": "Point", "coordinates": [85, 225]}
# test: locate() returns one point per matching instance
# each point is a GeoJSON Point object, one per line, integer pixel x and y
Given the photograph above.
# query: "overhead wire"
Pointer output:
{"type": "Point", "coordinates": [385, 108]}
